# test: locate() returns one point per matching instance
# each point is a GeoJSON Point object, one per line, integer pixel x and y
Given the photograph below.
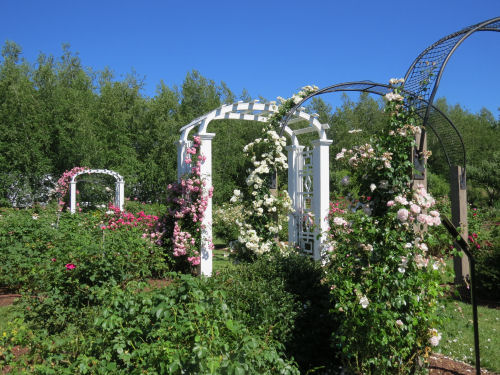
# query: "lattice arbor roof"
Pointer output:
{"type": "Point", "coordinates": [255, 111]}
{"type": "Point", "coordinates": [117, 176]}
{"type": "Point", "coordinates": [437, 120]}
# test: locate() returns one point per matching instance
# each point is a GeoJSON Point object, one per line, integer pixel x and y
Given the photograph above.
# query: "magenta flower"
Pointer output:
{"type": "Point", "coordinates": [70, 266]}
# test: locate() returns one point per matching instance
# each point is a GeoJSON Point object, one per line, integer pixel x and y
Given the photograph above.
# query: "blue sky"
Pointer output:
{"type": "Point", "coordinates": [271, 48]}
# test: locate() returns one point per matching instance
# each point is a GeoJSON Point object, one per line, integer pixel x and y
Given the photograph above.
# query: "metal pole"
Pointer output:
{"type": "Point", "coordinates": [464, 246]}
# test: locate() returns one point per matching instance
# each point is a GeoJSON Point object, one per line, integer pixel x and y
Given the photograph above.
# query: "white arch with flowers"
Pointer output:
{"type": "Point", "coordinates": [305, 206]}
{"type": "Point", "coordinates": [119, 187]}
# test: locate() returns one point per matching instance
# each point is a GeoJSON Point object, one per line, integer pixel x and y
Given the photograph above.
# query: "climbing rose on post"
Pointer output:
{"type": "Point", "coordinates": [181, 226]}
{"type": "Point", "coordinates": [265, 212]}
{"type": "Point", "coordinates": [381, 276]}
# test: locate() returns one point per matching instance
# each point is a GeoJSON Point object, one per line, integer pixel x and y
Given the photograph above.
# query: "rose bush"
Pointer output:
{"type": "Point", "coordinates": [381, 276]}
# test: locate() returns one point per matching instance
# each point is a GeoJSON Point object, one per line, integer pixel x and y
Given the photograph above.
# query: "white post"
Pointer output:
{"type": "Point", "coordinates": [72, 197]}
{"type": "Point", "coordinates": [206, 233]}
{"type": "Point", "coordinates": [321, 189]}
{"type": "Point", "coordinates": [182, 167]}
{"type": "Point", "coordinates": [119, 194]}
{"type": "Point", "coordinates": [293, 188]}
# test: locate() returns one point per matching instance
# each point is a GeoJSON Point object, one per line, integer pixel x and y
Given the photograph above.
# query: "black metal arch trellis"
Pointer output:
{"type": "Point", "coordinates": [437, 121]}
{"type": "Point", "coordinates": [424, 75]}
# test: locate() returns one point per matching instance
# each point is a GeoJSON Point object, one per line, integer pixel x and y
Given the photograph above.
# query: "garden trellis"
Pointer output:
{"type": "Point", "coordinates": [308, 182]}
{"type": "Point", "coordinates": [425, 73]}
{"type": "Point", "coordinates": [119, 187]}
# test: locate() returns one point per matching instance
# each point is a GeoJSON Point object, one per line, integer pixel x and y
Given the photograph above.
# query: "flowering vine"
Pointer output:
{"type": "Point", "coordinates": [376, 254]}
{"type": "Point", "coordinates": [187, 201]}
{"type": "Point", "coordinates": [264, 210]}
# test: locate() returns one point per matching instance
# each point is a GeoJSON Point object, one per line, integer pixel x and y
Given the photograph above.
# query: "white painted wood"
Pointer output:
{"type": "Point", "coordinates": [256, 111]}
{"type": "Point", "coordinates": [72, 199]}
{"type": "Point", "coordinates": [119, 187]}
{"type": "Point", "coordinates": [293, 188]}
{"type": "Point", "coordinates": [321, 199]}
{"type": "Point", "coordinates": [206, 252]}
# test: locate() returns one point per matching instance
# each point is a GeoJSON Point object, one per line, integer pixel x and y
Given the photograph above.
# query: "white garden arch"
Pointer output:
{"type": "Point", "coordinates": [119, 187]}
{"type": "Point", "coordinates": [308, 173]}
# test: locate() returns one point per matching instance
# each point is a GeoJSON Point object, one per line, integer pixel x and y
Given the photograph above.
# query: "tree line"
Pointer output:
{"type": "Point", "coordinates": [56, 114]}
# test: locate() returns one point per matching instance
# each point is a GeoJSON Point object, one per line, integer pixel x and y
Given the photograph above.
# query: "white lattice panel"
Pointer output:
{"type": "Point", "coordinates": [305, 202]}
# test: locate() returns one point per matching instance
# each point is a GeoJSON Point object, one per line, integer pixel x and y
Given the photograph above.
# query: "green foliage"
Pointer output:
{"type": "Point", "coordinates": [65, 260]}
{"type": "Point", "coordinates": [486, 175]}
{"type": "Point", "coordinates": [458, 333]}
{"type": "Point", "coordinates": [224, 222]}
{"type": "Point", "coordinates": [309, 343]}
{"type": "Point", "coordinates": [437, 185]}
{"type": "Point", "coordinates": [186, 326]}
{"type": "Point", "coordinates": [484, 240]}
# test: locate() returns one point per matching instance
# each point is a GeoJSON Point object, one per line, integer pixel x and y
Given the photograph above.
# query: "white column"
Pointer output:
{"type": "Point", "coordinates": [72, 199]}
{"type": "Point", "coordinates": [119, 194]}
{"type": "Point", "coordinates": [293, 188]}
{"type": "Point", "coordinates": [206, 233]}
{"type": "Point", "coordinates": [182, 167]}
{"type": "Point", "coordinates": [321, 189]}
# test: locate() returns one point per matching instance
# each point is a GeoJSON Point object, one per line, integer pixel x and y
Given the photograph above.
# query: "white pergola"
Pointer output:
{"type": "Point", "coordinates": [308, 173]}
{"type": "Point", "coordinates": [119, 187]}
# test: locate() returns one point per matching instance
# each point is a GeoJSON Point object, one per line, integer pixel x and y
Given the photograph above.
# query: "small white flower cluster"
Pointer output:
{"type": "Point", "coordinates": [272, 159]}
{"type": "Point", "coordinates": [363, 301]}
{"type": "Point", "coordinates": [406, 130]}
{"type": "Point", "coordinates": [396, 81]}
{"type": "Point", "coordinates": [390, 96]}
{"type": "Point", "coordinates": [358, 154]}
{"type": "Point", "coordinates": [251, 240]}
{"type": "Point", "coordinates": [435, 337]}
{"type": "Point", "coordinates": [266, 156]}
{"type": "Point", "coordinates": [305, 91]}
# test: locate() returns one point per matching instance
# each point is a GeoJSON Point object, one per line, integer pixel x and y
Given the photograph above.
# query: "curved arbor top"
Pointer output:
{"type": "Point", "coordinates": [441, 126]}
{"type": "Point", "coordinates": [424, 75]}
{"type": "Point", "coordinates": [117, 176]}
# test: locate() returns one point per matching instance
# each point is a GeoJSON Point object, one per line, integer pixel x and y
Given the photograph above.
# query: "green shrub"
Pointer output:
{"type": "Point", "coordinates": [224, 221]}
{"type": "Point", "coordinates": [484, 240]}
{"type": "Point", "coordinates": [62, 260]}
{"type": "Point", "coordinates": [285, 295]}
{"type": "Point", "coordinates": [186, 327]}
{"type": "Point", "coordinates": [437, 185]}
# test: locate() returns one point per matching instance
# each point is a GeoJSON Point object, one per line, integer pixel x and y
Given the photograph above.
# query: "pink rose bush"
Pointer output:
{"type": "Point", "coordinates": [63, 185]}
{"type": "Point", "coordinates": [180, 229]}
{"type": "Point", "coordinates": [123, 220]}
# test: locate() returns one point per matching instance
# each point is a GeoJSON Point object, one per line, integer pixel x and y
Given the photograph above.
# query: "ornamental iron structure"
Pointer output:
{"type": "Point", "coordinates": [298, 185]}
{"type": "Point", "coordinates": [421, 83]}
{"type": "Point", "coordinates": [119, 187]}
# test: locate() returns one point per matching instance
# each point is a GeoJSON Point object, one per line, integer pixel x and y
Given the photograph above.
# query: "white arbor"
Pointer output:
{"type": "Point", "coordinates": [308, 173]}
{"type": "Point", "coordinates": [119, 187]}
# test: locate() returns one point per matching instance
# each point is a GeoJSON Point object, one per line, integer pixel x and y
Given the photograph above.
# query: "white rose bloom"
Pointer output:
{"type": "Point", "coordinates": [373, 187]}
{"type": "Point", "coordinates": [363, 301]}
{"type": "Point", "coordinates": [435, 337]}
{"type": "Point", "coordinates": [339, 221]}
